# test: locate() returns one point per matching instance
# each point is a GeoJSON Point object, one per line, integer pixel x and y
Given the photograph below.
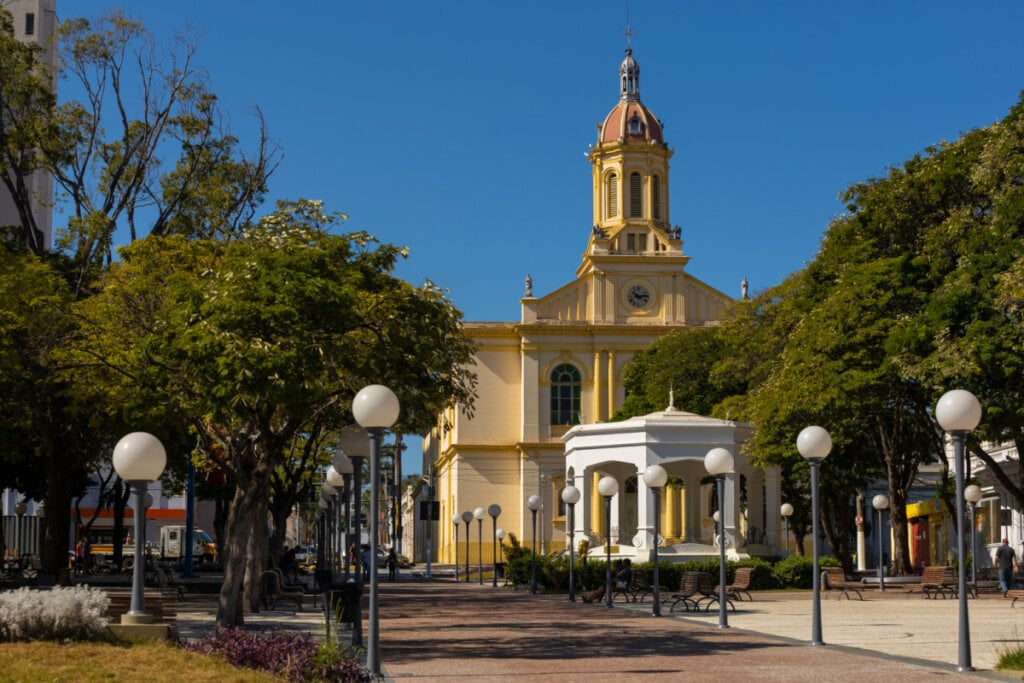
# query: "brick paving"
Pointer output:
{"type": "Point", "coordinates": [442, 630]}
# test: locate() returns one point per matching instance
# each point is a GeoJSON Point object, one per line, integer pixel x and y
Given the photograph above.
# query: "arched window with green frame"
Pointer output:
{"type": "Point", "coordinates": [566, 385]}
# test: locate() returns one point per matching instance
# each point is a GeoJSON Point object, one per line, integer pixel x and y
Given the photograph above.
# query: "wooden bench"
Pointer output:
{"type": "Point", "coordinates": [833, 580]}
{"type": "Point", "coordinates": [687, 589]}
{"type": "Point", "coordinates": [740, 585]}
{"type": "Point", "coordinates": [938, 581]}
{"type": "Point", "coordinates": [707, 592]}
{"type": "Point", "coordinates": [274, 590]}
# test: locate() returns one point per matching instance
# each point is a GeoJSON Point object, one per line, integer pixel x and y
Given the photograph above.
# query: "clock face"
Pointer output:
{"type": "Point", "coordinates": [638, 296]}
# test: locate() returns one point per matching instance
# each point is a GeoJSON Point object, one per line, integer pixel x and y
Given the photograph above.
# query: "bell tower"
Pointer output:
{"type": "Point", "coordinates": [630, 167]}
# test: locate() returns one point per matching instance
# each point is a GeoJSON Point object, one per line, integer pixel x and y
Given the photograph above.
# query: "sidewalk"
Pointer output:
{"type": "Point", "coordinates": [440, 630]}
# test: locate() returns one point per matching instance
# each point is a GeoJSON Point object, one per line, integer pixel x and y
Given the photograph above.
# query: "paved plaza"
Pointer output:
{"type": "Point", "coordinates": [442, 630]}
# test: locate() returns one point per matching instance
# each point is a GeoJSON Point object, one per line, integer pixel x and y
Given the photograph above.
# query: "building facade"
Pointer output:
{"type": "Point", "coordinates": [562, 363]}
{"type": "Point", "coordinates": [35, 22]}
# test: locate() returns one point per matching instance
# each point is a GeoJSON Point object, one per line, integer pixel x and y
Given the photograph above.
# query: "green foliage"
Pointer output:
{"type": "Point", "coordinates": [797, 571]}
{"type": "Point", "coordinates": [1011, 659]}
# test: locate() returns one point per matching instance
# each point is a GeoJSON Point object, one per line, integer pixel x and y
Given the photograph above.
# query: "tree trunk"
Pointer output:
{"type": "Point", "coordinates": [900, 561]}
{"type": "Point", "coordinates": [257, 561]}
{"type": "Point", "coordinates": [57, 521]}
{"type": "Point", "coordinates": [247, 509]}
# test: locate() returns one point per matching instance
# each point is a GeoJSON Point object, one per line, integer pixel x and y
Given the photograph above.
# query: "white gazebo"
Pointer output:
{"type": "Point", "coordinates": [678, 441]}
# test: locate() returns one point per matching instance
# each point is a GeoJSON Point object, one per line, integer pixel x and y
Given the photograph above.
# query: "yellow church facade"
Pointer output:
{"type": "Point", "coordinates": [562, 363]}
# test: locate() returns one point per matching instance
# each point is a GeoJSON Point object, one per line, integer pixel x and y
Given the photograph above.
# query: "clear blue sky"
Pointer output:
{"type": "Point", "coordinates": [459, 128]}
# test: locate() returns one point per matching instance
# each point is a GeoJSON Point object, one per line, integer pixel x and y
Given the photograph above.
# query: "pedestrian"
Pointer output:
{"type": "Point", "coordinates": [365, 559]}
{"type": "Point", "coordinates": [392, 565]}
{"type": "Point", "coordinates": [289, 565]}
{"type": "Point", "coordinates": [1006, 565]}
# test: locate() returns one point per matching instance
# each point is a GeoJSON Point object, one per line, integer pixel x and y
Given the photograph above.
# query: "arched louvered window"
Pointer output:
{"type": "Point", "coordinates": [613, 195]}
{"type": "Point", "coordinates": [635, 202]}
{"type": "Point", "coordinates": [566, 386]}
{"type": "Point", "coordinates": [656, 198]}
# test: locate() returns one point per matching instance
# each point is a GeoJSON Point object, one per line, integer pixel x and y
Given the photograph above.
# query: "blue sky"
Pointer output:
{"type": "Point", "coordinates": [459, 128]}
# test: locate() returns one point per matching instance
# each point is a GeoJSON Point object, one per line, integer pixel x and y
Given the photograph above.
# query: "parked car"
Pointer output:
{"type": "Point", "coordinates": [305, 557]}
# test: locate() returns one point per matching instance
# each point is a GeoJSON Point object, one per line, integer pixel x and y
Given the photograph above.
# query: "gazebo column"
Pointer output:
{"type": "Point", "coordinates": [595, 515]}
{"type": "Point", "coordinates": [669, 528]}
{"type": "Point", "coordinates": [692, 515]}
{"type": "Point", "coordinates": [731, 507]}
{"type": "Point", "coordinates": [644, 511]}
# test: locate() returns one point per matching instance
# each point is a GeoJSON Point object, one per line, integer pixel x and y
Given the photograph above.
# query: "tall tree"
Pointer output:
{"type": "Point", "coordinates": [256, 341]}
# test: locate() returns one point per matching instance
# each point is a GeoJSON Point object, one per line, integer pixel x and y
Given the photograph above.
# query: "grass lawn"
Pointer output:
{"type": "Point", "coordinates": [80, 662]}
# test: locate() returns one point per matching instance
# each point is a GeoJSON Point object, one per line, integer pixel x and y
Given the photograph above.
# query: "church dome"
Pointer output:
{"type": "Point", "coordinates": [630, 119]}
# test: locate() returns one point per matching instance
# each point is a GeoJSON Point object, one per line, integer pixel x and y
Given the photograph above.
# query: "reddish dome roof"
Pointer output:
{"type": "Point", "coordinates": [630, 120]}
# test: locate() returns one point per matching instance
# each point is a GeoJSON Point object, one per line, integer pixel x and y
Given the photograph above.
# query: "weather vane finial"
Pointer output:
{"type": "Point", "coordinates": [629, 31]}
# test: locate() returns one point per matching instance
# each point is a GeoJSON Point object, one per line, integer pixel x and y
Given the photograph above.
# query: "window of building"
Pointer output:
{"type": "Point", "coordinates": [656, 197]}
{"type": "Point", "coordinates": [30, 24]}
{"type": "Point", "coordinates": [635, 203]}
{"type": "Point", "coordinates": [636, 242]}
{"type": "Point", "coordinates": [613, 195]}
{"type": "Point", "coordinates": [636, 126]}
{"type": "Point", "coordinates": [566, 387]}
{"type": "Point", "coordinates": [988, 522]}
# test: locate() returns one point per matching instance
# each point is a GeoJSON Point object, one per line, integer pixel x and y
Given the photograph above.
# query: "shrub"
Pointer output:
{"type": "Point", "coordinates": [294, 657]}
{"type": "Point", "coordinates": [74, 613]}
{"type": "Point", "coordinates": [796, 571]}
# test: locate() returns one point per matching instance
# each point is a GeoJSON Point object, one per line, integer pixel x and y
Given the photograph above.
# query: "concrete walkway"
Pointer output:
{"type": "Point", "coordinates": [441, 630]}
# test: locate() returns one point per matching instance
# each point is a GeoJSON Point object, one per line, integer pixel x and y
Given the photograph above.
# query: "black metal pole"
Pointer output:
{"type": "Point", "coordinates": [881, 571]}
{"type": "Point", "coordinates": [655, 591]}
{"type": "Point", "coordinates": [572, 548]}
{"type": "Point", "coordinates": [608, 550]}
{"type": "Point", "coordinates": [964, 659]}
{"type": "Point", "coordinates": [373, 646]}
{"type": "Point", "coordinates": [533, 556]}
{"type": "Point", "coordinates": [816, 576]}
{"type": "Point", "coordinates": [467, 550]}
{"type": "Point", "coordinates": [494, 550]}
{"type": "Point", "coordinates": [723, 613]}
{"type": "Point", "coordinates": [480, 551]}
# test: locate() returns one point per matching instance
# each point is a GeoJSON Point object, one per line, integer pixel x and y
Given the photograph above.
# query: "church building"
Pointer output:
{"type": "Point", "coordinates": [562, 363]}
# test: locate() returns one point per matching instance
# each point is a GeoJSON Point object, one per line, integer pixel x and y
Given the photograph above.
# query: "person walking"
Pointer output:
{"type": "Point", "coordinates": [1006, 565]}
{"type": "Point", "coordinates": [392, 565]}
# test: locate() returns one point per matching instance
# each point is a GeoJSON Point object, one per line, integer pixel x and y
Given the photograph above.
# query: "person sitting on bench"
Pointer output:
{"type": "Point", "coordinates": [619, 582]}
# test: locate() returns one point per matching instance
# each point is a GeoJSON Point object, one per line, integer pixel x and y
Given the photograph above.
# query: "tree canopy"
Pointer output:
{"type": "Point", "coordinates": [916, 289]}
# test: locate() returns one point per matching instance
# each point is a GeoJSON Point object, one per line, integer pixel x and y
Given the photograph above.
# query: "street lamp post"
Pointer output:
{"type": "Point", "coordinates": [375, 408]}
{"type": "Point", "coordinates": [456, 518]}
{"type": "Point", "coordinates": [500, 535]}
{"type": "Point", "coordinates": [467, 517]}
{"type": "Point", "coordinates": [533, 503]}
{"type": "Point", "coordinates": [571, 496]}
{"type": "Point", "coordinates": [972, 494]}
{"type": "Point", "coordinates": [814, 444]}
{"type": "Point", "coordinates": [880, 502]}
{"type": "Point", "coordinates": [494, 510]}
{"type": "Point", "coordinates": [608, 487]}
{"type": "Point", "coordinates": [655, 477]}
{"type": "Point", "coordinates": [344, 466]}
{"type": "Point", "coordinates": [20, 508]}
{"type": "Point", "coordinates": [139, 458]}
{"type": "Point", "coordinates": [718, 462]}
{"type": "Point", "coordinates": [480, 513]}
{"type": "Point", "coordinates": [958, 412]}
{"type": "Point", "coordinates": [786, 510]}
